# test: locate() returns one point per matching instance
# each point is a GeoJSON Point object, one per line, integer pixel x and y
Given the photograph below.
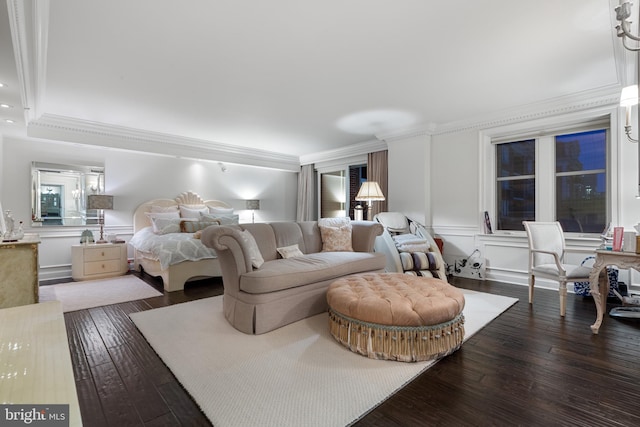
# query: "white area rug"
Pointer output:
{"type": "Point", "coordinates": [297, 375]}
{"type": "Point", "coordinates": [94, 293]}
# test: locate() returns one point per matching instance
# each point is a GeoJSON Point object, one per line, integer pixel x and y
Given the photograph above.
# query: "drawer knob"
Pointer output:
{"type": "Point", "coordinates": [102, 253]}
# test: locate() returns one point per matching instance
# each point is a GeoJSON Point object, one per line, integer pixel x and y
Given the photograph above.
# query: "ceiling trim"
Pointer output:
{"type": "Point", "coordinates": [62, 128]}
{"type": "Point", "coordinates": [344, 152]}
{"type": "Point", "coordinates": [606, 96]}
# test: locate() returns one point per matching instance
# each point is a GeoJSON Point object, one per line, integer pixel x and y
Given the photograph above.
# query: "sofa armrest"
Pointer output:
{"type": "Point", "coordinates": [232, 252]}
{"type": "Point", "coordinates": [364, 235]}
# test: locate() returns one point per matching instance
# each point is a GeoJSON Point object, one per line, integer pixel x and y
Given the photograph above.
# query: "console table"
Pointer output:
{"type": "Point", "coordinates": [600, 288]}
{"type": "Point", "coordinates": [19, 271]}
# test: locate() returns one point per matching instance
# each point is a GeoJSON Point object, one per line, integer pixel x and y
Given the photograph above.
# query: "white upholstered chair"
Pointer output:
{"type": "Point", "coordinates": [546, 258]}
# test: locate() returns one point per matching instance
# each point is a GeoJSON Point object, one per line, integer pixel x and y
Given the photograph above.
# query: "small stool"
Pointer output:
{"type": "Point", "coordinates": [396, 316]}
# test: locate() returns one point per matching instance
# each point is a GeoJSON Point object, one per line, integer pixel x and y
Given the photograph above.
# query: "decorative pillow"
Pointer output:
{"type": "Point", "coordinates": [166, 225]}
{"type": "Point", "coordinates": [219, 210]}
{"type": "Point", "coordinates": [160, 209]}
{"type": "Point", "coordinates": [334, 222]}
{"type": "Point", "coordinates": [254, 252]}
{"type": "Point", "coordinates": [165, 215]}
{"type": "Point", "coordinates": [290, 251]}
{"type": "Point", "coordinates": [193, 226]}
{"type": "Point", "coordinates": [224, 219]}
{"type": "Point", "coordinates": [192, 211]}
{"type": "Point", "coordinates": [336, 239]}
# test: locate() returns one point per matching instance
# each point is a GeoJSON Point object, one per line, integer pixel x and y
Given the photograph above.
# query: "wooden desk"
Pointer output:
{"type": "Point", "coordinates": [600, 288]}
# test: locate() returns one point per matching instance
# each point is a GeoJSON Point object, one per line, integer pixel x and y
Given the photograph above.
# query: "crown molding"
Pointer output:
{"type": "Point", "coordinates": [344, 152]}
{"type": "Point", "coordinates": [602, 97]}
{"type": "Point", "coordinates": [70, 129]}
{"type": "Point", "coordinates": [29, 22]}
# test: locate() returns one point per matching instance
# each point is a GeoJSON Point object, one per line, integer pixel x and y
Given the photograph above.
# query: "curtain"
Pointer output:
{"type": "Point", "coordinates": [306, 193]}
{"type": "Point", "coordinates": [377, 170]}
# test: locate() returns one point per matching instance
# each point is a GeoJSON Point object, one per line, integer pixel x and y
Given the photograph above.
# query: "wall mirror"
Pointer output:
{"type": "Point", "coordinates": [59, 194]}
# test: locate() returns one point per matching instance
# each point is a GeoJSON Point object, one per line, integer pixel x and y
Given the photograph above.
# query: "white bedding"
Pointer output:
{"type": "Point", "coordinates": [170, 248]}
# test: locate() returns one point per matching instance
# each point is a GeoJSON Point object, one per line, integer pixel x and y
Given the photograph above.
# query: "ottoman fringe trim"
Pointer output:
{"type": "Point", "coordinates": [401, 343]}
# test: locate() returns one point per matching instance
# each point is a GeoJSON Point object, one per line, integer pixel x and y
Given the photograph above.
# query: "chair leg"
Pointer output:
{"type": "Point", "coordinates": [532, 280]}
{"type": "Point", "coordinates": [563, 298]}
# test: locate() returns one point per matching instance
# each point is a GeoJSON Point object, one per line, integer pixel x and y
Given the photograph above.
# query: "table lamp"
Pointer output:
{"type": "Point", "coordinates": [100, 202]}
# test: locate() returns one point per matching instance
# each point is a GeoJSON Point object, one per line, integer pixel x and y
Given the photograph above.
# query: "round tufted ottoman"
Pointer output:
{"type": "Point", "coordinates": [396, 316]}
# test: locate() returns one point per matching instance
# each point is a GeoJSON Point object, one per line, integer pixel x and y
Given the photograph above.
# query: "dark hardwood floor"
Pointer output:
{"type": "Point", "coordinates": [528, 367]}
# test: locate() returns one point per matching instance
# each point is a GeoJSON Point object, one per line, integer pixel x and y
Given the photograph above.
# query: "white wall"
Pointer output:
{"type": "Point", "coordinates": [409, 177]}
{"type": "Point", "coordinates": [452, 197]}
{"type": "Point", "coordinates": [133, 178]}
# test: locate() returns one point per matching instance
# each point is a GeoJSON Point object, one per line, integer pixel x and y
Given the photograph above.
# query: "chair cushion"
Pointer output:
{"type": "Point", "coordinates": [573, 271]}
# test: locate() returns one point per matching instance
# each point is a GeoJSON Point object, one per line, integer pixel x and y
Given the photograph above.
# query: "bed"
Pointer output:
{"type": "Point", "coordinates": [200, 261]}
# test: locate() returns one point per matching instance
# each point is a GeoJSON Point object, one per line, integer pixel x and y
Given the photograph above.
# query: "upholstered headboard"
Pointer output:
{"type": "Point", "coordinates": [188, 198]}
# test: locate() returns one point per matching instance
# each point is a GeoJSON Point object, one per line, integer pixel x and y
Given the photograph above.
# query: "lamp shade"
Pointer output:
{"type": "Point", "coordinates": [99, 201]}
{"type": "Point", "coordinates": [254, 205]}
{"type": "Point", "coordinates": [629, 96]}
{"type": "Point", "coordinates": [370, 191]}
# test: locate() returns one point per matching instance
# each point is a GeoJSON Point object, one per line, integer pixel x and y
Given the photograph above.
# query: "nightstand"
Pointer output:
{"type": "Point", "coordinates": [98, 261]}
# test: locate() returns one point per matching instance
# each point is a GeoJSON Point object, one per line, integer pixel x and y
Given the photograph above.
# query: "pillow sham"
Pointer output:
{"type": "Point", "coordinates": [290, 251]}
{"type": "Point", "coordinates": [219, 210]}
{"type": "Point", "coordinates": [192, 211]}
{"type": "Point", "coordinates": [166, 225]}
{"type": "Point", "coordinates": [193, 226]}
{"type": "Point", "coordinates": [225, 219]}
{"type": "Point", "coordinates": [336, 239]}
{"type": "Point", "coordinates": [254, 252]}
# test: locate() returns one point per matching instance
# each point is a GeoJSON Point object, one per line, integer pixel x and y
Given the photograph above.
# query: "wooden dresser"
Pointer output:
{"type": "Point", "coordinates": [98, 261]}
{"type": "Point", "coordinates": [19, 271]}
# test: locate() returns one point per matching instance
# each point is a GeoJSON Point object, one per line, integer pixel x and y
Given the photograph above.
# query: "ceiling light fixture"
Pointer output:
{"type": "Point", "coordinates": [6, 106]}
{"type": "Point", "coordinates": [9, 121]}
{"type": "Point", "coordinates": [3, 84]}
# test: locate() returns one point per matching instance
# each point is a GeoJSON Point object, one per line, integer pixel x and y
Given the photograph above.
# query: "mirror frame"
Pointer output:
{"type": "Point", "coordinates": [86, 180]}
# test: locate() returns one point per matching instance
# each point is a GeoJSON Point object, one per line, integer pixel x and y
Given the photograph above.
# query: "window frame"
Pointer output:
{"type": "Point", "coordinates": [544, 132]}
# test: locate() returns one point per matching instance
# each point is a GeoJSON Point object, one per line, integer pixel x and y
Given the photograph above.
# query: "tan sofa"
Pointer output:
{"type": "Point", "coordinates": [282, 291]}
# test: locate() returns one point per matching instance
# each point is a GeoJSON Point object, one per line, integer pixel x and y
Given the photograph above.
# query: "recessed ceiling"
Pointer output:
{"type": "Point", "coordinates": [304, 77]}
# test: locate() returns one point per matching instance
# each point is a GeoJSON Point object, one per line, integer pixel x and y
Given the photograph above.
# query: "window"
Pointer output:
{"type": "Point", "coordinates": [556, 177]}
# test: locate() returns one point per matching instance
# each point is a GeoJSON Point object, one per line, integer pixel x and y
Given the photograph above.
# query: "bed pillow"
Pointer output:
{"type": "Point", "coordinates": [193, 226]}
{"type": "Point", "coordinates": [192, 211]}
{"type": "Point", "coordinates": [336, 239]}
{"type": "Point", "coordinates": [160, 209]}
{"type": "Point", "coordinates": [166, 225]}
{"type": "Point", "coordinates": [224, 219]}
{"type": "Point", "coordinates": [220, 210]}
{"type": "Point", "coordinates": [165, 215]}
{"type": "Point", "coordinates": [254, 252]}
{"type": "Point", "coordinates": [290, 251]}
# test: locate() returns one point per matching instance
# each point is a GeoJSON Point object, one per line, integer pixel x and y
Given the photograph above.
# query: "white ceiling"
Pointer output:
{"type": "Point", "coordinates": [299, 77]}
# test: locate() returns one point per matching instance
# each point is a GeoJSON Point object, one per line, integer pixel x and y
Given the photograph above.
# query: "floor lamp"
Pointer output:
{"type": "Point", "coordinates": [100, 202]}
{"type": "Point", "coordinates": [369, 192]}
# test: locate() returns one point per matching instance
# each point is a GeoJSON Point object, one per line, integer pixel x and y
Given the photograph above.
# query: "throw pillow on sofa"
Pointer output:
{"type": "Point", "coordinates": [336, 239]}
{"type": "Point", "coordinates": [254, 252]}
{"type": "Point", "coordinates": [290, 251]}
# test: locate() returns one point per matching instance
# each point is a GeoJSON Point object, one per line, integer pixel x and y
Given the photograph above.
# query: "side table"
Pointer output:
{"type": "Point", "coordinates": [98, 261]}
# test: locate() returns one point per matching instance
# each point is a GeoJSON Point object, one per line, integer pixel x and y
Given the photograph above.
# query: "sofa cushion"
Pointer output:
{"type": "Point", "coordinates": [299, 271]}
{"type": "Point", "coordinates": [287, 234]}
